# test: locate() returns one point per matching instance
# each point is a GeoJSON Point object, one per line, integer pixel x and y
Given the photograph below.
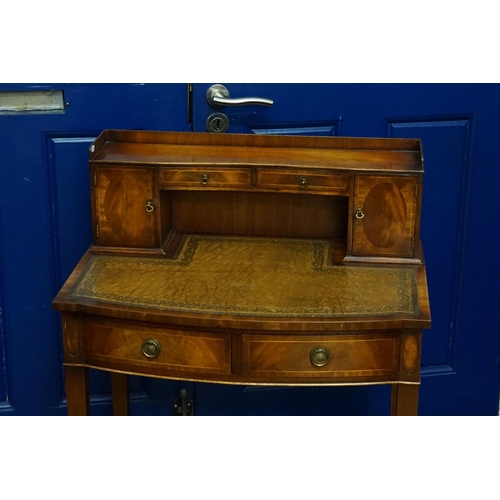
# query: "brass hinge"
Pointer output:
{"type": "Point", "coordinates": [97, 234]}
{"type": "Point", "coordinates": [95, 178]}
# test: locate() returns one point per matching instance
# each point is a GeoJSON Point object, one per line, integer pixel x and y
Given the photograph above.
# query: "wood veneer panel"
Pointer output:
{"type": "Point", "coordinates": [360, 355]}
{"type": "Point", "coordinates": [181, 351]}
{"type": "Point", "coordinates": [260, 214]}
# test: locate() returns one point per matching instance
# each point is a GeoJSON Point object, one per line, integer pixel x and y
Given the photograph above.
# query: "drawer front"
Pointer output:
{"type": "Point", "coordinates": [303, 181]}
{"type": "Point", "coordinates": [176, 350]}
{"type": "Point", "coordinates": [320, 356]}
{"type": "Point", "coordinates": [197, 178]}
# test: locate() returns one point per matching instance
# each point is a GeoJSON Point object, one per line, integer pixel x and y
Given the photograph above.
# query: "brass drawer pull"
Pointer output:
{"type": "Point", "coordinates": [303, 183]}
{"type": "Point", "coordinates": [151, 348]}
{"type": "Point", "coordinates": [204, 179]}
{"type": "Point", "coordinates": [149, 206]}
{"type": "Point", "coordinates": [359, 213]}
{"type": "Point", "coordinates": [319, 356]}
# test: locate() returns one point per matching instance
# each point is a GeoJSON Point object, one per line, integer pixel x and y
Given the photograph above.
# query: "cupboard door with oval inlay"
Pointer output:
{"type": "Point", "coordinates": [125, 207]}
{"type": "Point", "coordinates": [384, 214]}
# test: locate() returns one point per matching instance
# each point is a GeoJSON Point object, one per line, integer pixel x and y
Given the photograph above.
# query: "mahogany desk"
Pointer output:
{"type": "Point", "coordinates": [254, 260]}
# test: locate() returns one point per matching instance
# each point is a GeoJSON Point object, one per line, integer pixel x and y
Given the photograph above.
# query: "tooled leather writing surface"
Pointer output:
{"type": "Point", "coordinates": [250, 276]}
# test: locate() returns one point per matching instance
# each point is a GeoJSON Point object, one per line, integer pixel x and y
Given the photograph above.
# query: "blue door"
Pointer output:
{"type": "Point", "coordinates": [45, 228]}
{"type": "Point", "coordinates": [459, 131]}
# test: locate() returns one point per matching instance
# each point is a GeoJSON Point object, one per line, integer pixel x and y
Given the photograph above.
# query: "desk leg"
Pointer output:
{"type": "Point", "coordinates": [77, 390]}
{"type": "Point", "coordinates": [119, 388]}
{"type": "Point", "coordinates": [404, 401]}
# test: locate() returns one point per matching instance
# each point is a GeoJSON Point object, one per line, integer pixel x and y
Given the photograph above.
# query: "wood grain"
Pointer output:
{"type": "Point", "coordinates": [277, 215]}
{"type": "Point", "coordinates": [181, 351]}
{"type": "Point", "coordinates": [120, 391]}
{"type": "Point", "coordinates": [369, 355]}
{"type": "Point", "coordinates": [251, 259]}
{"type": "Point", "coordinates": [389, 213]}
{"type": "Point", "coordinates": [121, 196]}
{"type": "Point", "coordinates": [404, 400]}
{"type": "Point", "coordinates": [77, 390]}
{"type": "Point", "coordinates": [304, 181]}
{"type": "Point", "coordinates": [195, 149]}
{"type": "Point", "coordinates": [207, 177]}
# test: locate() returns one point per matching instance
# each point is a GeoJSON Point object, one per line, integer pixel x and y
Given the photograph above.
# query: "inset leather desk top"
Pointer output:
{"type": "Point", "coordinates": [250, 276]}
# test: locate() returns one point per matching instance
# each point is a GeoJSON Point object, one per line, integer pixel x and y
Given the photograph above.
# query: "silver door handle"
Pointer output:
{"type": "Point", "coordinates": [218, 97]}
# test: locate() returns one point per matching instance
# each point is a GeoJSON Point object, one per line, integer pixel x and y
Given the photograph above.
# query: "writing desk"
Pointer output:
{"type": "Point", "coordinates": [249, 260]}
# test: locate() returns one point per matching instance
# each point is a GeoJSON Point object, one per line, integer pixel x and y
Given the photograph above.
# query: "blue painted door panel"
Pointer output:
{"type": "Point", "coordinates": [458, 125]}
{"type": "Point", "coordinates": [45, 229]}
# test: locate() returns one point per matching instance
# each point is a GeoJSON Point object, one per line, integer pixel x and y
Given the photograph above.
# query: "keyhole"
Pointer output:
{"type": "Point", "coordinates": [217, 122]}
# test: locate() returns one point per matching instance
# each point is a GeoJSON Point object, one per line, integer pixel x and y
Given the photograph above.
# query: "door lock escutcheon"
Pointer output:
{"type": "Point", "coordinates": [217, 122]}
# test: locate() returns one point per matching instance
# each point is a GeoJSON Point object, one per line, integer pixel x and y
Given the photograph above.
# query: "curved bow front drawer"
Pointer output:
{"type": "Point", "coordinates": [165, 349]}
{"type": "Point", "coordinates": [317, 356]}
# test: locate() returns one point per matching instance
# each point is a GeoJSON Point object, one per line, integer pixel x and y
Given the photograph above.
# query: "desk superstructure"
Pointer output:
{"type": "Point", "coordinates": [254, 260]}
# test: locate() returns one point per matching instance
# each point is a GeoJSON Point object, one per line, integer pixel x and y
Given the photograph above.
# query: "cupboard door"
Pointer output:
{"type": "Point", "coordinates": [384, 215]}
{"type": "Point", "coordinates": [125, 207]}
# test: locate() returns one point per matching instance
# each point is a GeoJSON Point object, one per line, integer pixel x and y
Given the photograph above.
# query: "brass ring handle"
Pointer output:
{"type": "Point", "coordinates": [149, 206]}
{"type": "Point", "coordinates": [359, 213]}
{"type": "Point", "coordinates": [303, 183]}
{"type": "Point", "coordinates": [151, 348]}
{"type": "Point", "coordinates": [319, 356]}
{"type": "Point", "coordinates": [204, 179]}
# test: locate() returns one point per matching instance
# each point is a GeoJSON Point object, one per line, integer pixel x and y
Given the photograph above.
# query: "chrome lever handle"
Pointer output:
{"type": "Point", "coordinates": [240, 101]}
{"type": "Point", "coordinates": [218, 97]}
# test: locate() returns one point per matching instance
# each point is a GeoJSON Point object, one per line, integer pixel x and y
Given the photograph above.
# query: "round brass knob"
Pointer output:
{"type": "Point", "coordinates": [205, 178]}
{"type": "Point", "coordinates": [303, 183]}
{"type": "Point", "coordinates": [319, 356]}
{"type": "Point", "coordinates": [359, 213]}
{"type": "Point", "coordinates": [151, 348]}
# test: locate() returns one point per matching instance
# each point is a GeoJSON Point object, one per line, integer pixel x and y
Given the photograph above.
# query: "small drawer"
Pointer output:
{"type": "Point", "coordinates": [175, 350]}
{"type": "Point", "coordinates": [196, 178]}
{"type": "Point", "coordinates": [304, 180]}
{"type": "Point", "coordinates": [319, 356]}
